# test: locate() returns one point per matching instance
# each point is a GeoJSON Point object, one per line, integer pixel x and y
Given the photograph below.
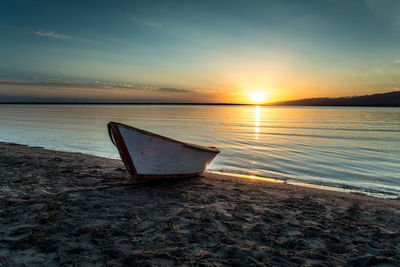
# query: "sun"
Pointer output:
{"type": "Point", "coordinates": [258, 97]}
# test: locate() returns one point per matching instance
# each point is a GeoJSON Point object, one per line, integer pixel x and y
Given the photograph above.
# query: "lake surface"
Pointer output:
{"type": "Point", "coordinates": [353, 148]}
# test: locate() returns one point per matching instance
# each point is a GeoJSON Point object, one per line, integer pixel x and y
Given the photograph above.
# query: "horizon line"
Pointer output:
{"type": "Point", "coordinates": [187, 104]}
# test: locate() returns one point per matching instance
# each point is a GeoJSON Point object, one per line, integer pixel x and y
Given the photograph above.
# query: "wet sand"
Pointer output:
{"type": "Point", "coordinates": [67, 209]}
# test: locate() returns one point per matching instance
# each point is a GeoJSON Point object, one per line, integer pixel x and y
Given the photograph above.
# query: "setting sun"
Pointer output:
{"type": "Point", "coordinates": [258, 97]}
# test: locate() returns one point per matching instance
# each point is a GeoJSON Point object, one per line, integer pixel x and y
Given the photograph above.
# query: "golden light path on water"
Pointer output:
{"type": "Point", "coordinates": [257, 115]}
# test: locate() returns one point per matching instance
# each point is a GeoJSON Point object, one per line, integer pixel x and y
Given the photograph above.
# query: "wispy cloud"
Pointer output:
{"type": "Point", "coordinates": [59, 83]}
{"type": "Point", "coordinates": [55, 35]}
{"type": "Point", "coordinates": [175, 90]}
{"type": "Point", "coordinates": [147, 22]}
{"type": "Point", "coordinates": [52, 34]}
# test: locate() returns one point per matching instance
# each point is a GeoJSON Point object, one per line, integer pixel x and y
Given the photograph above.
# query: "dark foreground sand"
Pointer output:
{"type": "Point", "coordinates": [72, 209]}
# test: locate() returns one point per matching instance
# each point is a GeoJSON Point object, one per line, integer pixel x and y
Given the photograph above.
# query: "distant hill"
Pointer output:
{"type": "Point", "coordinates": [391, 99]}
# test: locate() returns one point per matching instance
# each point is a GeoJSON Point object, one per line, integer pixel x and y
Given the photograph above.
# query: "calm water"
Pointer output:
{"type": "Point", "coordinates": [353, 148]}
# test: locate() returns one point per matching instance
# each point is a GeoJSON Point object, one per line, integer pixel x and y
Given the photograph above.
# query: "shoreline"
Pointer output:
{"type": "Point", "coordinates": [70, 208]}
{"type": "Point", "coordinates": [344, 188]}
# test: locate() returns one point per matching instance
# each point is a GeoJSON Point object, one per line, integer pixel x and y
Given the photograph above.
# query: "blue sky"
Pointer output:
{"type": "Point", "coordinates": [198, 51]}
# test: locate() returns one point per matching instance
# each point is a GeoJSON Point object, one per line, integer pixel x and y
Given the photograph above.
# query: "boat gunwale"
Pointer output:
{"type": "Point", "coordinates": [193, 146]}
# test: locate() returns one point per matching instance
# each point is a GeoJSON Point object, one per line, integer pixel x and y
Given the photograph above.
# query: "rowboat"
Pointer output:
{"type": "Point", "coordinates": [148, 155]}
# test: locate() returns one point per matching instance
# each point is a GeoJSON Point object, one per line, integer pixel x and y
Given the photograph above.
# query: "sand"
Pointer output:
{"type": "Point", "coordinates": [59, 208]}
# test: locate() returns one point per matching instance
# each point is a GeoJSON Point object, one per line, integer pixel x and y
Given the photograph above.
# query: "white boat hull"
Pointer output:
{"type": "Point", "coordinates": [150, 156]}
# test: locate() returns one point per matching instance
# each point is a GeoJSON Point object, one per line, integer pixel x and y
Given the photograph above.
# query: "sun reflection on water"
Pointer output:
{"type": "Point", "coordinates": [257, 115]}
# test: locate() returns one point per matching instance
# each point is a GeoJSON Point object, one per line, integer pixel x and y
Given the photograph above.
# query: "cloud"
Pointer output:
{"type": "Point", "coordinates": [63, 36]}
{"type": "Point", "coordinates": [57, 83]}
{"type": "Point", "coordinates": [52, 34]}
{"type": "Point", "coordinates": [175, 90]}
{"type": "Point", "coordinates": [59, 90]}
{"type": "Point", "coordinates": [147, 22]}
{"type": "Point", "coordinates": [46, 82]}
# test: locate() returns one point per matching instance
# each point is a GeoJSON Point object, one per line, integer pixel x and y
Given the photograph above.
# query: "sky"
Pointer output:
{"type": "Point", "coordinates": [197, 51]}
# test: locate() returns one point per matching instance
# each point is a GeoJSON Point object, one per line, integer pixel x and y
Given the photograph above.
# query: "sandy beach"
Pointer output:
{"type": "Point", "coordinates": [71, 209]}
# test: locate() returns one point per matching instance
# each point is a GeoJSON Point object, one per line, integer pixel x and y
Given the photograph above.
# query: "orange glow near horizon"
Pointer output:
{"type": "Point", "coordinates": [243, 92]}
